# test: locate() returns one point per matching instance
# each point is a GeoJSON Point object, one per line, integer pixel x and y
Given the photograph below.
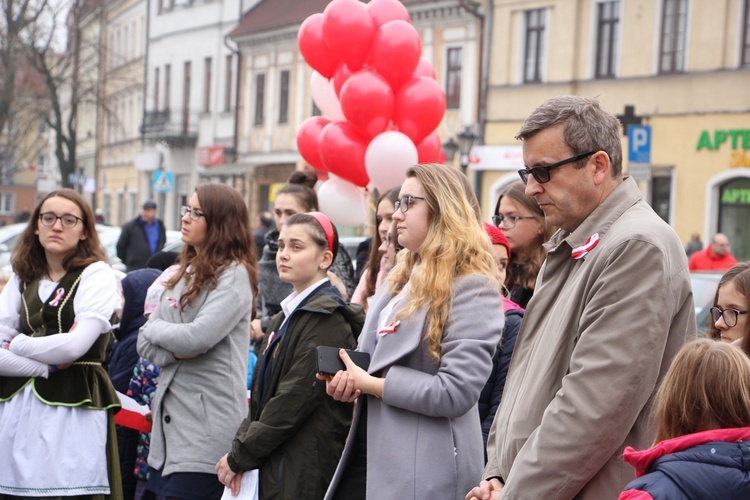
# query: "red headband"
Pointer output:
{"type": "Point", "coordinates": [325, 223]}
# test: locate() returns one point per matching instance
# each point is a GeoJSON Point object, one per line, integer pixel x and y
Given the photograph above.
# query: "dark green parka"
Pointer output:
{"type": "Point", "coordinates": [297, 439]}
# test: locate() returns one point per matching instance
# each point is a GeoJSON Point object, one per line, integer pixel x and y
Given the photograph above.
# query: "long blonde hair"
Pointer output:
{"type": "Point", "coordinates": [456, 245]}
{"type": "Point", "coordinates": [706, 387]}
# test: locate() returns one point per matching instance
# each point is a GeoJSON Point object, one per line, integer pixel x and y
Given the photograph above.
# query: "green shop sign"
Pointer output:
{"type": "Point", "coordinates": [736, 138]}
{"type": "Point", "coordinates": [735, 196]}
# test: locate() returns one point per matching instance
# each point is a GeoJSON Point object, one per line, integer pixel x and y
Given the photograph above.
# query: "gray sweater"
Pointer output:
{"type": "Point", "coordinates": [201, 401]}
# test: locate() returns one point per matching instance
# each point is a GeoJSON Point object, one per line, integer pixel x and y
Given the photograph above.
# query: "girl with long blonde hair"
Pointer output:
{"type": "Point", "coordinates": [431, 331]}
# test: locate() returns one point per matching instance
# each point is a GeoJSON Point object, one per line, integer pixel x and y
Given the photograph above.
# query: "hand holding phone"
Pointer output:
{"type": "Point", "coordinates": [329, 361]}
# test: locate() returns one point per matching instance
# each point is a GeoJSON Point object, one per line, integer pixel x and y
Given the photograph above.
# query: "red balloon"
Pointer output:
{"type": "Point", "coordinates": [348, 30]}
{"type": "Point", "coordinates": [428, 151]}
{"type": "Point", "coordinates": [420, 106]}
{"type": "Point", "coordinates": [395, 51]}
{"type": "Point", "coordinates": [424, 68]}
{"type": "Point", "coordinates": [343, 152]}
{"type": "Point", "coordinates": [308, 137]}
{"type": "Point", "coordinates": [383, 11]}
{"type": "Point", "coordinates": [313, 47]}
{"type": "Point", "coordinates": [367, 102]}
{"type": "Point", "coordinates": [340, 78]}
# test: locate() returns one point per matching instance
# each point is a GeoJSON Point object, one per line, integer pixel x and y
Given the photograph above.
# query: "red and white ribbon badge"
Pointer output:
{"type": "Point", "coordinates": [389, 329]}
{"type": "Point", "coordinates": [59, 294]}
{"type": "Point", "coordinates": [173, 303]}
{"type": "Point", "coordinates": [580, 252]}
{"type": "Point", "coordinates": [270, 340]}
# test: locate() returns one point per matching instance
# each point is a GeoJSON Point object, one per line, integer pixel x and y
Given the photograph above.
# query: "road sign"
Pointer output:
{"type": "Point", "coordinates": [163, 182]}
{"type": "Point", "coordinates": [639, 143]}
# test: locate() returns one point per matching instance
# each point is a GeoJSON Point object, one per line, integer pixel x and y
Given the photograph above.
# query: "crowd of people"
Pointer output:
{"type": "Point", "coordinates": [550, 354]}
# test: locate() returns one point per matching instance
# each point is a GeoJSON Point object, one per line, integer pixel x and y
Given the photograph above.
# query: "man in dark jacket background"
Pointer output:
{"type": "Point", "coordinates": [141, 238]}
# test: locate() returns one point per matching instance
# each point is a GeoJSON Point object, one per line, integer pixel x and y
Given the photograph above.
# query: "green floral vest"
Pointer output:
{"type": "Point", "coordinates": [85, 382]}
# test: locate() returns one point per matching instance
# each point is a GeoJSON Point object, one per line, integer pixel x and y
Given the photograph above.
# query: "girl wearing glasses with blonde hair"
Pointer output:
{"type": "Point", "coordinates": [198, 337]}
{"type": "Point", "coordinates": [431, 331]}
{"type": "Point", "coordinates": [729, 314]}
{"type": "Point", "coordinates": [56, 400]}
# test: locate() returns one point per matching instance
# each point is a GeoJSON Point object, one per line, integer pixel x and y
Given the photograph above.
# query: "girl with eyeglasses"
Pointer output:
{"type": "Point", "coordinates": [198, 336]}
{"type": "Point", "coordinates": [522, 221]}
{"type": "Point", "coordinates": [702, 415]}
{"type": "Point", "coordinates": [431, 331]}
{"type": "Point", "coordinates": [729, 314]}
{"type": "Point", "coordinates": [57, 432]}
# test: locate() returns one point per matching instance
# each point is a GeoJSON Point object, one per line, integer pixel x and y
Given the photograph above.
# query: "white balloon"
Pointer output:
{"type": "Point", "coordinates": [324, 95]}
{"type": "Point", "coordinates": [343, 202]}
{"type": "Point", "coordinates": [387, 158]}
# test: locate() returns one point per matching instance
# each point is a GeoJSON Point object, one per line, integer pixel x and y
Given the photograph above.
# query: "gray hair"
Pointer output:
{"type": "Point", "coordinates": [587, 126]}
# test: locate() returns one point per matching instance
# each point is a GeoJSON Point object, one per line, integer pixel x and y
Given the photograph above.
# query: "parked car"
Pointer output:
{"type": "Point", "coordinates": [704, 285]}
{"type": "Point", "coordinates": [8, 237]}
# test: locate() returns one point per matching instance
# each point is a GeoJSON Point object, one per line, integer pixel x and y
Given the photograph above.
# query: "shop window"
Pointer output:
{"type": "Point", "coordinates": [661, 193]}
{"type": "Point", "coordinates": [734, 212]}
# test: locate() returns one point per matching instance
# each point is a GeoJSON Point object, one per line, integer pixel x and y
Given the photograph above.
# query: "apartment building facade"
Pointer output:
{"type": "Point", "coordinates": [681, 67]}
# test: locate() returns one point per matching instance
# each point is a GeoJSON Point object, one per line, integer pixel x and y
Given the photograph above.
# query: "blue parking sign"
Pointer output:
{"type": "Point", "coordinates": [639, 143]}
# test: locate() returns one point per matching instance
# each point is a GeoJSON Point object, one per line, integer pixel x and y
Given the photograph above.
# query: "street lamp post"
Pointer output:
{"type": "Point", "coordinates": [449, 150]}
{"type": "Point", "coordinates": [465, 142]}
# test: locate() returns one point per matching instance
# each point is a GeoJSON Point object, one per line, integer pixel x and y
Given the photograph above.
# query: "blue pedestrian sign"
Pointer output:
{"type": "Point", "coordinates": [639, 143]}
{"type": "Point", "coordinates": [163, 182]}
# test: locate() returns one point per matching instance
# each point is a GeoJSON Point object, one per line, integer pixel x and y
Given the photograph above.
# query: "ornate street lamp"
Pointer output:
{"type": "Point", "coordinates": [465, 142]}
{"type": "Point", "coordinates": [449, 150]}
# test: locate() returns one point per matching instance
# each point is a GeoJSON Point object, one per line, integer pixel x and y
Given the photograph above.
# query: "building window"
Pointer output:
{"type": "Point", "coordinates": [315, 110]}
{"type": "Point", "coordinates": [167, 85]}
{"type": "Point", "coordinates": [7, 202]}
{"type": "Point", "coordinates": [661, 194]}
{"type": "Point", "coordinates": [745, 61]}
{"type": "Point", "coordinates": [534, 46]}
{"type": "Point", "coordinates": [453, 78]}
{"type": "Point", "coordinates": [228, 85]}
{"type": "Point", "coordinates": [156, 89]}
{"type": "Point", "coordinates": [207, 86]}
{"type": "Point", "coordinates": [673, 36]}
{"type": "Point", "coordinates": [284, 97]}
{"type": "Point", "coordinates": [607, 28]}
{"type": "Point", "coordinates": [186, 98]}
{"type": "Point", "coordinates": [260, 97]}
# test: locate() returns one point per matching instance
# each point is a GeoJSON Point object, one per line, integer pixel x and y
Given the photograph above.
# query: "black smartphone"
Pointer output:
{"type": "Point", "coordinates": [329, 361]}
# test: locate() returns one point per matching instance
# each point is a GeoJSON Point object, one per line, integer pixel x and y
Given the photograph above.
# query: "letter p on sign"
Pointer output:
{"type": "Point", "coordinates": [639, 143]}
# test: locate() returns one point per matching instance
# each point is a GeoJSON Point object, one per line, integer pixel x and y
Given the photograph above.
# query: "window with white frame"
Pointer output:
{"type": "Point", "coordinates": [534, 41]}
{"type": "Point", "coordinates": [673, 36]}
{"type": "Point", "coordinates": [607, 36]}
{"type": "Point", "coordinates": [7, 202]}
{"type": "Point", "coordinates": [454, 64]}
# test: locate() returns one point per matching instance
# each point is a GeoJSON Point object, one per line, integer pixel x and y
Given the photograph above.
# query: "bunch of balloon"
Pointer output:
{"type": "Point", "coordinates": [380, 101]}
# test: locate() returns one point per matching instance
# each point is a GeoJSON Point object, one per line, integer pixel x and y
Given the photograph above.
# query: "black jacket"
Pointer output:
{"type": "Point", "coordinates": [297, 439]}
{"type": "Point", "coordinates": [133, 248]}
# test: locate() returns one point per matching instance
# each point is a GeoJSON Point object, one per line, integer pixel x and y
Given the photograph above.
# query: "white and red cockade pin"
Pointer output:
{"type": "Point", "coordinates": [591, 242]}
{"type": "Point", "coordinates": [173, 302]}
{"type": "Point", "coordinates": [389, 329]}
{"type": "Point", "coordinates": [59, 295]}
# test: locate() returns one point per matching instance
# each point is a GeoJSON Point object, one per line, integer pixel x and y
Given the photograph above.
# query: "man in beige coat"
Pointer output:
{"type": "Point", "coordinates": [612, 307]}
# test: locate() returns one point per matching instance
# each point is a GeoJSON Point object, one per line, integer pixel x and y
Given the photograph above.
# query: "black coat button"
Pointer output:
{"type": "Point", "coordinates": [167, 419]}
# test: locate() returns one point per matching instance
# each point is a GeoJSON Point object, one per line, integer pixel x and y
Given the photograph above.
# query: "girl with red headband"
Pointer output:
{"type": "Point", "coordinates": [295, 434]}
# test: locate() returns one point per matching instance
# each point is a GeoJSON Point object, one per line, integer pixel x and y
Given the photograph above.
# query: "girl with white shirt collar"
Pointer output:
{"type": "Point", "coordinates": [295, 434]}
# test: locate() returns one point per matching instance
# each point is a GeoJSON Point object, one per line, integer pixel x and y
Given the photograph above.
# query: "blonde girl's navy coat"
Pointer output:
{"type": "Point", "coordinates": [423, 437]}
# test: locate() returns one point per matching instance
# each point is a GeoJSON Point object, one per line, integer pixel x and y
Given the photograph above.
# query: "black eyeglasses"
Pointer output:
{"type": "Point", "coordinates": [195, 214]}
{"type": "Point", "coordinates": [542, 174]}
{"type": "Point", "coordinates": [507, 221]}
{"type": "Point", "coordinates": [730, 315]}
{"type": "Point", "coordinates": [68, 220]}
{"type": "Point", "coordinates": [404, 203]}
